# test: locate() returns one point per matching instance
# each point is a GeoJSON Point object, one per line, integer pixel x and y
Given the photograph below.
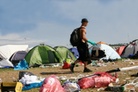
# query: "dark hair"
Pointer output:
{"type": "Point", "coordinates": [84, 20]}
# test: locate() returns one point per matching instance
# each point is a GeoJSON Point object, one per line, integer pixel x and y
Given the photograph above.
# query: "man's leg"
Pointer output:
{"type": "Point", "coordinates": [85, 67]}
{"type": "Point", "coordinates": [73, 65]}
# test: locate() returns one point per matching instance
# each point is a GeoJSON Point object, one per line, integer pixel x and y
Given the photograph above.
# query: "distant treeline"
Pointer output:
{"type": "Point", "coordinates": [119, 44]}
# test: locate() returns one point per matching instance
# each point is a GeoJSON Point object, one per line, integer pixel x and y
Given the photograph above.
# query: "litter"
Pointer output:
{"type": "Point", "coordinates": [51, 84]}
{"type": "Point", "coordinates": [30, 80]}
{"type": "Point", "coordinates": [123, 69]}
{"type": "Point", "coordinates": [71, 87]}
{"type": "Point", "coordinates": [99, 79]}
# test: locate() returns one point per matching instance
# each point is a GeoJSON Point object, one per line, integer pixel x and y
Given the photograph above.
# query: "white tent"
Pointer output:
{"type": "Point", "coordinates": [7, 50]}
{"type": "Point", "coordinates": [131, 49]}
{"type": "Point", "coordinates": [111, 54]}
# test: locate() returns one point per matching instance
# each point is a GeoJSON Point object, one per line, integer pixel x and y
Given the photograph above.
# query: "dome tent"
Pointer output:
{"type": "Point", "coordinates": [130, 49]}
{"type": "Point", "coordinates": [6, 52]}
{"type": "Point", "coordinates": [42, 54]}
{"type": "Point", "coordinates": [17, 57]}
{"type": "Point", "coordinates": [65, 53]}
{"type": "Point", "coordinates": [110, 53]}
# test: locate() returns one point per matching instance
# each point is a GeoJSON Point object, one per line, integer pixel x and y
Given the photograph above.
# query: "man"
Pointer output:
{"type": "Point", "coordinates": [82, 47]}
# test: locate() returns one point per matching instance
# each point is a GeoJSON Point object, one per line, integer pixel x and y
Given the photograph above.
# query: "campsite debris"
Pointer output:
{"type": "Point", "coordinates": [130, 87]}
{"type": "Point", "coordinates": [115, 89]}
{"type": "Point", "coordinates": [134, 75]}
{"type": "Point", "coordinates": [127, 60]}
{"type": "Point", "coordinates": [63, 79]}
{"type": "Point", "coordinates": [29, 80]}
{"type": "Point", "coordinates": [98, 63]}
{"type": "Point", "coordinates": [22, 65]}
{"type": "Point", "coordinates": [67, 64]}
{"type": "Point", "coordinates": [123, 69]}
{"type": "Point", "coordinates": [51, 84]}
{"type": "Point", "coordinates": [132, 63]}
{"type": "Point", "coordinates": [71, 87]}
{"type": "Point", "coordinates": [99, 79]}
{"type": "Point", "coordinates": [11, 87]}
{"type": "Point", "coordinates": [100, 89]}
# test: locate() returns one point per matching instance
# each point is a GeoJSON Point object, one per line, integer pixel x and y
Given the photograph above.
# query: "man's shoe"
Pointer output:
{"type": "Point", "coordinates": [72, 67]}
{"type": "Point", "coordinates": [87, 70]}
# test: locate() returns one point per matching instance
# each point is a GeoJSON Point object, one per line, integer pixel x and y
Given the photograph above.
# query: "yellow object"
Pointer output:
{"type": "Point", "coordinates": [11, 86]}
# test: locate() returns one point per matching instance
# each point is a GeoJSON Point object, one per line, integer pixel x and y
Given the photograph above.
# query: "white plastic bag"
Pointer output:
{"type": "Point", "coordinates": [71, 87]}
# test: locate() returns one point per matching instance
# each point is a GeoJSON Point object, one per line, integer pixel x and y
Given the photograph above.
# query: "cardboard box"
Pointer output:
{"type": "Point", "coordinates": [11, 87]}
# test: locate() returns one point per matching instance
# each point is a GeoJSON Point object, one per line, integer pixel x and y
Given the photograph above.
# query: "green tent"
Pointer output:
{"type": "Point", "coordinates": [65, 53]}
{"type": "Point", "coordinates": [42, 54]}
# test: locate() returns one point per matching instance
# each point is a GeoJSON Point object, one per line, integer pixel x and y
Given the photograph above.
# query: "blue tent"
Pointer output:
{"type": "Point", "coordinates": [75, 52]}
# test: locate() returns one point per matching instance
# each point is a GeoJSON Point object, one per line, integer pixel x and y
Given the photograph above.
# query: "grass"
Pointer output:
{"type": "Point", "coordinates": [8, 75]}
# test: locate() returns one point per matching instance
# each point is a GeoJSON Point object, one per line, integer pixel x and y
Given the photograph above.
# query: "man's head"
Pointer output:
{"type": "Point", "coordinates": [84, 22]}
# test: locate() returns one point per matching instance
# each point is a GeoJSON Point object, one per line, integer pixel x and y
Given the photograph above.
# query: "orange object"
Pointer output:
{"type": "Point", "coordinates": [120, 50]}
{"type": "Point", "coordinates": [66, 65]}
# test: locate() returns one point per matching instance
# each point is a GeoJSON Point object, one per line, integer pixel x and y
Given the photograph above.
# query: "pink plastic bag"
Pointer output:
{"type": "Point", "coordinates": [51, 84]}
{"type": "Point", "coordinates": [100, 79]}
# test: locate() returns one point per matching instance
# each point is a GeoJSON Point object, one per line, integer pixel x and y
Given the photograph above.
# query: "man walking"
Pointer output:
{"type": "Point", "coordinates": [82, 47]}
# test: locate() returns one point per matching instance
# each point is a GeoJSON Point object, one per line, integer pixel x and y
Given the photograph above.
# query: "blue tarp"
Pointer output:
{"type": "Point", "coordinates": [33, 85]}
{"type": "Point", "coordinates": [22, 65]}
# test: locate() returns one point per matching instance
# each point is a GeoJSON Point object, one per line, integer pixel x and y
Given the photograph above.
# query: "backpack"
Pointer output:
{"type": "Point", "coordinates": [75, 37]}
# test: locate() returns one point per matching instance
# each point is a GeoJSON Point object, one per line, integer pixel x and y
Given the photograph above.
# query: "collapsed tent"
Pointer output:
{"type": "Point", "coordinates": [110, 53]}
{"type": "Point", "coordinates": [17, 56]}
{"type": "Point", "coordinates": [7, 51]}
{"type": "Point", "coordinates": [130, 49]}
{"type": "Point", "coordinates": [75, 52]}
{"type": "Point", "coordinates": [65, 53]}
{"type": "Point", "coordinates": [42, 54]}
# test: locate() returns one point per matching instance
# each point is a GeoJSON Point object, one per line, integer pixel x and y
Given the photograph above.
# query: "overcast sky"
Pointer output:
{"type": "Point", "coordinates": [52, 21]}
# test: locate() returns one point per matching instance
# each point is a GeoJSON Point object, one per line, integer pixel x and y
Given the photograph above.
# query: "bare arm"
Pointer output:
{"type": "Point", "coordinates": [83, 34]}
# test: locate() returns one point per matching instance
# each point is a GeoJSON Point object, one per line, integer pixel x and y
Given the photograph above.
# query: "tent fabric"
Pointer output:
{"type": "Point", "coordinates": [110, 53]}
{"type": "Point", "coordinates": [120, 50]}
{"type": "Point", "coordinates": [75, 52]}
{"type": "Point", "coordinates": [101, 42]}
{"type": "Point", "coordinates": [42, 54]}
{"type": "Point", "coordinates": [65, 53]}
{"type": "Point", "coordinates": [6, 52]}
{"type": "Point", "coordinates": [130, 49]}
{"type": "Point", "coordinates": [17, 57]}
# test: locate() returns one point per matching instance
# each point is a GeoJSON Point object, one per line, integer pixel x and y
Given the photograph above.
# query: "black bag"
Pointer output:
{"type": "Point", "coordinates": [75, 37]}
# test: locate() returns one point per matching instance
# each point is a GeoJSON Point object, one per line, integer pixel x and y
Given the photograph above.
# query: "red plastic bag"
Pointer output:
{"type": "Point", "coordinates": [66, 65]}
{"type": "Point", "coordinates": [87, 82]}
{"type": "Point", "coordinates": [100, 79]}
{"type": "Point", "coordinates": [104, 79]}
{"type": "Point", "coordinates": [51, 84]}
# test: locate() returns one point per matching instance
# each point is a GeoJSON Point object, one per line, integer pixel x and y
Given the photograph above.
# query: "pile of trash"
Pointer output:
{"type": "Point", "coordinates": [29, 80]}
{"type": "Point", "coordinates": [103, 81]}
{"type": "Point", "coordinates": [63, 84]}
